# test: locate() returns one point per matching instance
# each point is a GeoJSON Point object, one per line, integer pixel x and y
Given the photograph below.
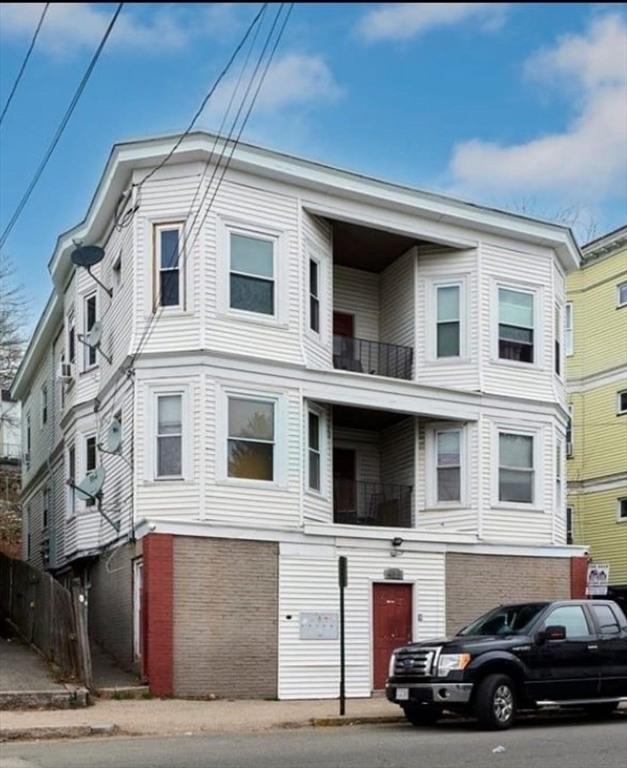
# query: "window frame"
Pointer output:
{"type": "Point", "coordinates": [272, 280]}
{"type": "Point", "coordinates": [559, 474]}
{"type": "Point", "coordinates": [90, 359]}
{"type": "Point", "coordinates": [569, 329]}
{"type": "Point", "coordinates": [619, 287]}
{"type": "Point", "coordinates": [537, 503]}
{"type": "Point", "coordinates": [538, 325]}
{"type": "Point", "coordinates": [45, 499]}
{"type": "Point", "coordinates": [157, 436]}
{"type": "Point", "coordinates": [548, 621]}
{"type": "Point", "coordinates": [570, 524]}
{"type": "Point", "coordinates": [28, 440]}
{"type": "Point", "coordinates": [434, 284]}
{"type": "Point", "coordinates": [157, 228]}
{"type": "Point", "coordinates": [44, 404]}
{"type": "Point", "coordinates": [620, 518]}
{"type": "Point", "coordinates": [151, 392]}
{"type": "Point", "coordinates": [314, 298]}
{"type": "Point", "coordinates": [320, 414]}
{"type": "Point", "coordinates": [570, 432]}
{"type": "Point", "coordinates": [620, 411]}
{"type": "Point", "coordinates": [71, 338]}
{"type": "Point", "coordinates": [558, 341]}
{"type": "Point", "coordinates": [71, 475]}
{"type": "Point", "coordinates": [281, 443]}
{"type": "Point", "coordinates": [249, 228]}
{"type": "Point", "coordinates": [431, 446]}
{"type": "Point", "coordinates": [89, 439]}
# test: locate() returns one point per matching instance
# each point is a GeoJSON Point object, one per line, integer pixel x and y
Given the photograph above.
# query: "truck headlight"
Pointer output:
{"type": "Point", "coordinates": [391, 664]}
{"type": "Point", "coordinates": [452, 662]}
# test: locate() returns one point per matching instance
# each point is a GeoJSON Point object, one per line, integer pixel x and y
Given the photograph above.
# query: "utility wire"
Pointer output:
{"type": "Point", "coordinates": [25, 62]}
{"type": "Point", "coordinates": [61, 128]}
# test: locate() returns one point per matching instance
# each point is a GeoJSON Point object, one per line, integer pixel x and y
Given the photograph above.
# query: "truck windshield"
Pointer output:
{"type": "Point", "coordinates": [505, 620]}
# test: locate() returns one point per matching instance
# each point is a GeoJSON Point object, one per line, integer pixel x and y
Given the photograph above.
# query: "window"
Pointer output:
{"type": "Point", "coordinates": [569, 432]}
{"type": "Point", "coordinates": [558, 475]}
{"type": "Point", "coordinates": [313, 438]}
{"type": "Point", "coordinates": [621, 512]}
{"type": "Point", "coordinates": [572, 618]}
{"type": "Point", "coordinates": [621, 295]}
{"type": "Point", "coordinates": [622, 402]}
{"type": "Point", "coordinates": [516, 325]}
{"type": "Point", "coordinates": [606, 618]}
{"type": "Point", "coordinates": [516, 468]}
{"type": "Point", "coordinates": [44, 404]}
{"type": "Point", "coordinates": [557, 331]}
{"type": "Point", "coordinates": [45, 502]}
{"type": "Point", "coordinates": [168, 245]}
{"type": "Point", "coordinates": [252, 274]}
{"type": "Point", "coordinates": [314, 295]}
{"type": "Point", "coordinates": [251, 431]}
{"type": "Point", "coordinates": [91, 457]}
{"type": "Point", "coordinates": [570, 524]}
{"type": "Point", "coordinates": [448, 465]}
{"type": "Point", "coordinates": [448, 321]}
{"type": "Point", "coordinates": [569, 329]}
{"type": "Point", "coordinates": [90, 319]}
{"type": "Point", "coordinates": [71, 476]}
{"type": "Point", "coordinates": [71, 339]}
{"type": "Point", "coordinates": [28, 442]}
{"type": "Point", "coordinates": [169, 436]}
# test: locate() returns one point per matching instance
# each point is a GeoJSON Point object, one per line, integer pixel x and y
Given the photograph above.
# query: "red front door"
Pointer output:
{"type": "Point", "coordinates": [391, 620]}
{"type": "Point", "coordinates": [343, 325]}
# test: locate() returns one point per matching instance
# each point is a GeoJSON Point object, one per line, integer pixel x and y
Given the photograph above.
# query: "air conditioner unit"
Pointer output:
{"type": "Point", "coordinates": [569, 449]}
{"type": "Point", "coordinates": [66, 371]}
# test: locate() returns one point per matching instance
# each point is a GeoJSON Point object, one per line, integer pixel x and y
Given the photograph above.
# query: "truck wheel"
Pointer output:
{"type": "Point", "coordinates": [495, 705]}
{"type": "Point", "coordinates": [424, 715]}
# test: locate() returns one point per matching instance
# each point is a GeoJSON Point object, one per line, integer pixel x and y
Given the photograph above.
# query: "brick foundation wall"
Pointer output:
{"type": "Point", "coordinates": [111, 603]}
{"type": "Point", "coordinates": [578, 576]}
{"type": "Point", "coordinates": [225, 617]}
{"type": "Point", "coordinates": [476, 583]}
{"type": "Point", "coordinates": [157, 612]}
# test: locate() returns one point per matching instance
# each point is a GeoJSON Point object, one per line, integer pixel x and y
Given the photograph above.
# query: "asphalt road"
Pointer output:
{"type": "Point", "coordinates": [569, 742]}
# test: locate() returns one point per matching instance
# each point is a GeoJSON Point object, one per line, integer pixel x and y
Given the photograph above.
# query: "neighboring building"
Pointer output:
{"type": "Point", "coordinates": [316, 365]}
{"type": "Point", "coordinates": [10, 430]}
{"type": "Point", "coordinates": [10, 472]}
{"type": "Point", "coordinates": [596, 349]}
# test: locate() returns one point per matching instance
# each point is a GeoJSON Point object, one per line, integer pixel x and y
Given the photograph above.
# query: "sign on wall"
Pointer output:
{"type": "Point", "coordinates": [598, 578]}
{"type": "Point", "coordinates": [319, 626]}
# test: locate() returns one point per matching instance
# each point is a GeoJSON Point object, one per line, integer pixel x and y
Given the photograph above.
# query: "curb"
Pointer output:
{"type": "Point", "coordinates": [70, 698]}
{"type": "Point", "coordinates": [57, 732]}
{"type": "Point", "coordinates": [326, 722]}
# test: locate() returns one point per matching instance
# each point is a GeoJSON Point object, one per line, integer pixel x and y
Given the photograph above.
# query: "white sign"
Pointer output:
{"type": "Point", "coordinates": [319, 626]}
{"type": "Point", "coordinates": [598, 578]}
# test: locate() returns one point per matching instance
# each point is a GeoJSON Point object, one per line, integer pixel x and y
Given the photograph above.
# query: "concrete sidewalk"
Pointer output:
{"type": "Point", "coordinates": [181, 717]}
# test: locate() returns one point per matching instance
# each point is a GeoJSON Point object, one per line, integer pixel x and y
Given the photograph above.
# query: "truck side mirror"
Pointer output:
{"type": "Point", "coordinates": [552, 633]}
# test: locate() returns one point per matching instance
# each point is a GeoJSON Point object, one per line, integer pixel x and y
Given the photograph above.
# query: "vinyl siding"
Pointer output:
{"type": "Point", "coordinates": [318, 507]}
{"type": "Point", "coordinates": [398, 456]}
{"type": "Point", "coordinates": [597, 527]}
{"type": "Point", "coordinates": [317, 237]}
{"type": "Point", "coordinates": [357, 293]}
{"type": "Point", "coordinates": [309, 669]}
{"type": "Point", "coordinates": [398, 301]}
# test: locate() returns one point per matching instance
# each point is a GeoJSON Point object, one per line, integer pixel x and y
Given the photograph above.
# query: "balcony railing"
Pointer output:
{"type": "Point", "coordinates": [359, 503]}
{"type": "Point", "coordinates": [373, 357]}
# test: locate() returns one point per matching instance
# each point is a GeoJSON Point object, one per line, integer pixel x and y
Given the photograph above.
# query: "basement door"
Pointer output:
{"type": "Point", "coordinates": [391, 626]}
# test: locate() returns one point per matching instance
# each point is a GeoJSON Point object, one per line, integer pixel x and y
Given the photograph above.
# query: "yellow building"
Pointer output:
{"type": "Point", "coordinates": [596, 354]}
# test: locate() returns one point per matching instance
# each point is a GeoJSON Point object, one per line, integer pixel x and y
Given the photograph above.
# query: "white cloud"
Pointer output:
{"type": "Point", "coordinates": [71, 26]}
{"type": "Point", "coordinates": [589, 157]}
{"type": "Point", "coordinates": [295, 80]}
{"type": "Point", "coordinates": [403, 21]}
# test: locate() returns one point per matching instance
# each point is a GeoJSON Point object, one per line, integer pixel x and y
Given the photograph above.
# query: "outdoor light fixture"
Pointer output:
{"type": "Point", "coordinates": [397, 541]}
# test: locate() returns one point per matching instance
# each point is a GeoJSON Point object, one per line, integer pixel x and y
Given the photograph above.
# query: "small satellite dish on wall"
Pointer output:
{"type": "Point", "coordinates": [87, 255]}
{"type": "Point", "coordinates": [91, 487]}
{"type": "Point", "coordinates": [114, 436]}
{"type": "Point", "coordinates": [94, 337]}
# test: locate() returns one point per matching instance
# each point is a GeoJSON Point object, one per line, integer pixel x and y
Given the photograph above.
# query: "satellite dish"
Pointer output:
{"type": "Point", "coordinates": [91, 486]}
{"type": "Point", "coordinates": [93, 338]}
{"type": "Point", "coordinates": [114, 436]}
{"type": "Point", "coordinates": [87, 255]}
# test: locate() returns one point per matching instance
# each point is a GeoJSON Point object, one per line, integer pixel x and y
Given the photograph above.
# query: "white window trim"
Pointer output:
{"type": "Point", "coordinates": [138, 575]}
{"type": "Point", "coordinates": [559, 336]}
{"type": "Point", "coordinates": [620, 519]}
{"type": "Point", "coordinates": [281, 445]}
{"type": "Point", "coordinates": [317, 335]}
{"type": "Point", "coordinates": [87, 366]}
{"type": "Point", "coordinates": [323, 493]}
{"type": "Point", "coordinates": [431, 485]}
{"type": "Point", "coordinates": [156, 225]}
{"type": "Point", "coordinates": [153, 391]}
{"type": "Point", "coordinates": [45, 404]}
{"type": "Point", "coordinates": [70, 330]}
{"type": "Point", "coordinates": [559, 470]}
{"type": "Point", "coordinates": [84, 505]}
{"type": "Point", "coordinates": [538, 325]}
{"type": "Point", "coordinates": [569, 329]}
{"type": "Point", "coordinates": [433, 283]}
{"type": "Point", "coordinates": [538, 453]}
{"type": "Point", "coordinates": [619, 411]}
{"type": "Point", "coordinates": [247, 228]}
{"type": "Point", "coordinates": [70, 510]}
{"type": "Point", "coordinates": [618, 301]}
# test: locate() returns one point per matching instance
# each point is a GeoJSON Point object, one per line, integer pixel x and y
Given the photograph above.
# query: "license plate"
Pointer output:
{"type": "Point", "coordinates": [402, 694]}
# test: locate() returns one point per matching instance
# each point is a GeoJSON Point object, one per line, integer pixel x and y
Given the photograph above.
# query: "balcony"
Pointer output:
{"type": "Point", "coordinates": [378, 504]}
{"type": "Point", "coordinates": [372, 357]}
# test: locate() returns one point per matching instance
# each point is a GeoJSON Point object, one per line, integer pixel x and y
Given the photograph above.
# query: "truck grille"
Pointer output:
{"type": "Point", "coordinates": [417, 663]}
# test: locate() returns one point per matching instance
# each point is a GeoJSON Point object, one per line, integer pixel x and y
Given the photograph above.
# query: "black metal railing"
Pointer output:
{"type": "Point", "coordinates": [373, 357]}
{"type": "Point", "coordinates": [360, 503]}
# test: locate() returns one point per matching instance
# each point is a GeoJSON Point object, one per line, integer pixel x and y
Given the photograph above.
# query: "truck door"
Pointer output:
{"type": "Point", "coordinates": [612, 650]}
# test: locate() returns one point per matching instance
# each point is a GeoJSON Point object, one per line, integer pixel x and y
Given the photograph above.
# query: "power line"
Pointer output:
{"type": "Point", "coordinates": [61, 128]}
{"type": "Point", "coordinates": [25, 62]}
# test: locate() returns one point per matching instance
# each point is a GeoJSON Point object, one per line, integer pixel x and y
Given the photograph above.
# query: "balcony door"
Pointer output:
{"type": "Point", "coordinates": [344, 351]}
{"type": "Point", "coordinates": [344, 477]}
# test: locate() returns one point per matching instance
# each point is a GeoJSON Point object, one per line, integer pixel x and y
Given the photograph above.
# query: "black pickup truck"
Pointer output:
{"type": "Point", "coordinates": [570, 653]}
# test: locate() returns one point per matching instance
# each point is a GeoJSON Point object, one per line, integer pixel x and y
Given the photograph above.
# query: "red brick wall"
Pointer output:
{"type": "Point", "coordinates": [158, 565]}
{"type": "Point", "coordinates": [578, 576]}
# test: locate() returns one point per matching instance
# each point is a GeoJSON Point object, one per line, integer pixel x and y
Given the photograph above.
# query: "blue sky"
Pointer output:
{"type": "Point", "coordinates": [519, 106]}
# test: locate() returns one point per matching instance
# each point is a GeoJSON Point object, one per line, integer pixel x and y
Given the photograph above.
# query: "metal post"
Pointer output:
{"type": "Point", "coordinates": [343, 581]}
